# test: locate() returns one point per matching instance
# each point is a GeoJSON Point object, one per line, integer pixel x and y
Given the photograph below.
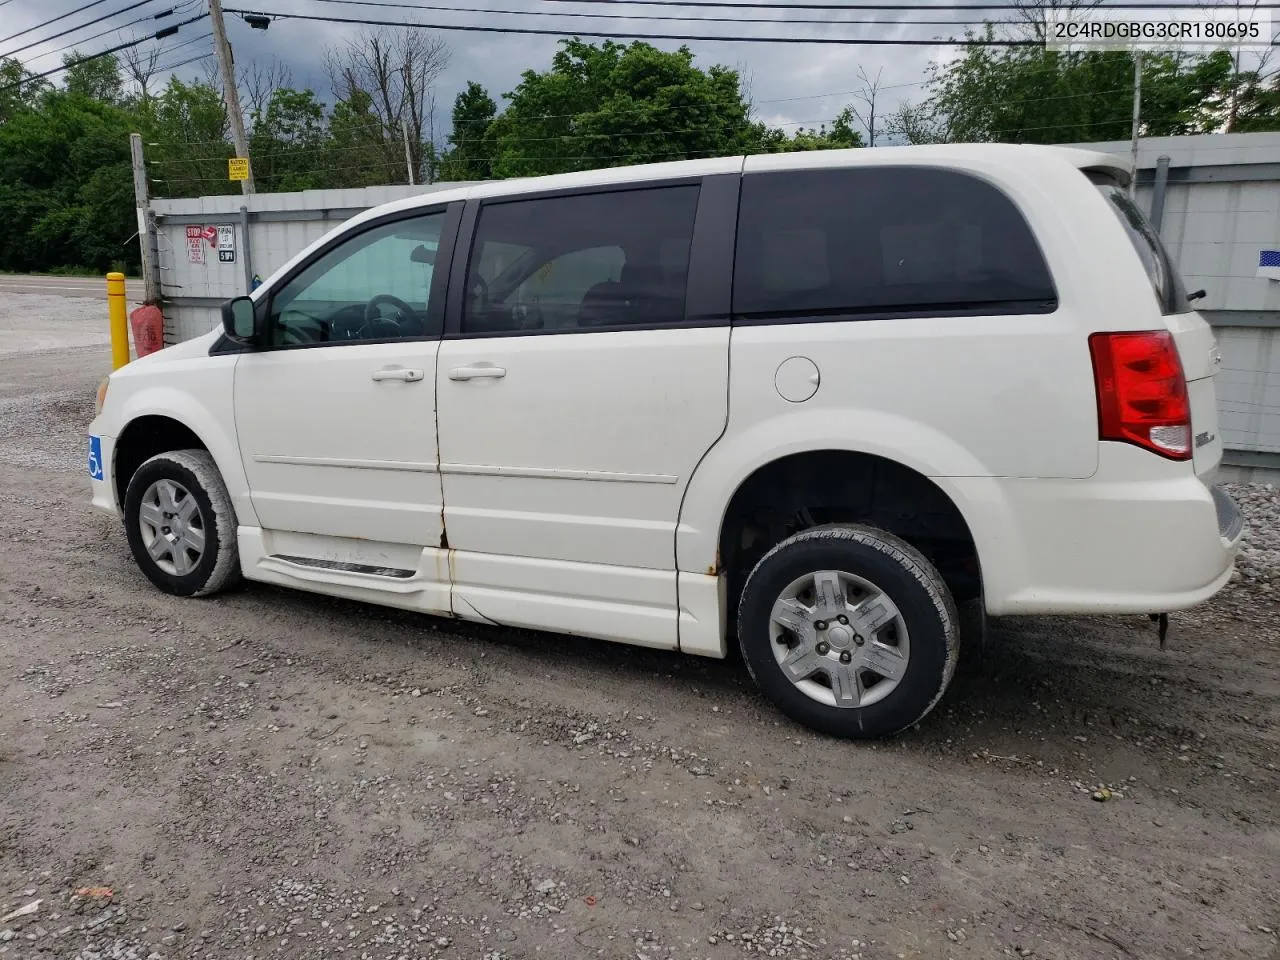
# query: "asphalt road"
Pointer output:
{"type": "Point", "coordinates": [95, 287]}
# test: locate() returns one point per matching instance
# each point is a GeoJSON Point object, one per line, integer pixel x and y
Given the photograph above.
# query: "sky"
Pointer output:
{"type": "Point", "coordinates": [790, 85]}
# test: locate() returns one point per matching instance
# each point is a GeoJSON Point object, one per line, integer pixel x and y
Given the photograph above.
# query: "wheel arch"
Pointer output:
{"type": "Point", "coordinates": [920, 450]}
{"type": "Point", "coordinates": [164, 419]}
{"type": "Point", "coordinates": [810, 488]}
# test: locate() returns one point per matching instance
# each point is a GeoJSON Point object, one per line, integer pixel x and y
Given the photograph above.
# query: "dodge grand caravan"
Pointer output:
{"type": "Point", "coordinates": [807, 403]}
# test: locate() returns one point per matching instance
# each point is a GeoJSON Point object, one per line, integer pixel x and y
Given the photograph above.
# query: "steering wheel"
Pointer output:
{"type": "Point", "coordinates": [376, 326]}
{"type": "Point", "coordinates": [478, 288]}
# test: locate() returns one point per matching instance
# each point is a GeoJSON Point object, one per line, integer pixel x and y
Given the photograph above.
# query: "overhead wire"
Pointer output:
{"type": "Point", "coordinates": [96, 36]}
{"type": "Point", "coordinates": [46, 23]}
{"type": "Point", "coordinates": [332, 150]}
{"type": "Point", "coordinates": [645, 133]}
{"type": "Point", "coordinates": [63, 33]}
{"type": "Point", "coordinates": [825, 21]}
{"type": "Point", "coordinates": [633, 35]}
{"type": "Point", "coordinates": [183, 63]}
{"type": "Point", "coordinates": [168, 31]}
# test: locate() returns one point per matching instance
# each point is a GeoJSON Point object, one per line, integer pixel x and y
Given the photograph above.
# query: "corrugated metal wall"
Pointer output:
{"type": "Point", "coordinates": [1221, 208]}
{"type": "Point", "coordinates": [280, 224]}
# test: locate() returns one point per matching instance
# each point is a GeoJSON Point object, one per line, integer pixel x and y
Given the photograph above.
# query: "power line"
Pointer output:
{"type": "Point", "coordinates": [644, 16]}
{"type": "Point", "coordinates": [711, 125]}
{"type": "Point", "coordinates": [107, 16]}
{"type": "Point", "coordinates": [629, 35]}
{"type": "Point", "coordinates": [96, 36]}
{"type": "Point", "coordinates": [39, 26]}
{"type": "Point", "coordinates": [185, 43]}
{"type": "Point", "coordinates": [124, 26]}
{"type": "Point", "coordinates": [158, 35]}
{"type": "Point", "coordinates": [183, 63]}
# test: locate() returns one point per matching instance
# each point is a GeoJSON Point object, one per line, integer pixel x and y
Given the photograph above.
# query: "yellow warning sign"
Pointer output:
{"type": "Point", "coordinates": [238, 168]}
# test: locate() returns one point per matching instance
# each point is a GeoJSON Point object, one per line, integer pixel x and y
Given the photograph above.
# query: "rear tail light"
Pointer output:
{"type": "Point", "coordinates": [1142, 392]}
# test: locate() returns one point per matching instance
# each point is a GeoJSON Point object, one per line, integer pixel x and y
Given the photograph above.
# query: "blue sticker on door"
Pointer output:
{"type": "Point", "coordinates": [95, 458]}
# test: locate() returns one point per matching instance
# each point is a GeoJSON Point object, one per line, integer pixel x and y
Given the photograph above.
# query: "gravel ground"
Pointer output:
{"type": "Point", "coordinates": [270, 774]}
{"type": "Point", "coordinates": [43, 322]}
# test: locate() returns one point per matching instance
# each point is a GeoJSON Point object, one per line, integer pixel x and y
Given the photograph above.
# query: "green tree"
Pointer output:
{"type": "Point", "coordinates": [18, 91]}
{"type": "Point", "coordinates": [358, 148]}
{"type": "Point", "coordinates": [841, 136]}
{"type": "Point", "coordinates": [187, 129]}
{"type": "Point", "coordinates": [617, 104]}
{"type": "Point", "coordinates": [289, 142]}
{"type": "Point", "coordinates": [471, 156]}
{"type": "Point", "coordinates": [1035, 95]}
{"type": "Point", "coordinates": [66, 185]}
{"type": "Point", "coordinates": [1256, 103]}
{"type": "Point", "coordinates": [97, 78]}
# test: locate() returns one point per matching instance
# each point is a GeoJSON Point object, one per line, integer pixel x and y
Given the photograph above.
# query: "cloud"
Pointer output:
{"type": "Point", "coordinates": [790, 84]}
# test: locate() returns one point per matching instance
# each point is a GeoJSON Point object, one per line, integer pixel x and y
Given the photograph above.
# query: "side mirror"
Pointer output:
{"type": "Point", "coordinates": [238, 320]}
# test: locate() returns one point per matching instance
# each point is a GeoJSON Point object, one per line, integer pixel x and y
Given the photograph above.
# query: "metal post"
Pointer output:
{"type": "Point", "coordinates": [1137, 115]}
{"type": "Point", "coordinates": [119, 324]}
{"type": "Point", "coordinates": [146, 225]}
{"type": "Point", "coordinates": [1158, 190]}
{"type": "Point", "coordinates": [408, 154]}
{"type": "Point", "coordinates": [229, 91]}
{"type": "Point", "coordinates": [244, 249]}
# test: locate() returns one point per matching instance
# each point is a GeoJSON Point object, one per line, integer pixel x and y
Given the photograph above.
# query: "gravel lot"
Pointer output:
{"type": "Point", "coordinates": [270, 774]}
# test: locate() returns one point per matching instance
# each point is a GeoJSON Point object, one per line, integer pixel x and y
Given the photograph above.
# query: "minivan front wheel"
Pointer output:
{"type": "Point", "coordinates": [849, 630]}
{"type": "Point", "coordinates": [181, 525]}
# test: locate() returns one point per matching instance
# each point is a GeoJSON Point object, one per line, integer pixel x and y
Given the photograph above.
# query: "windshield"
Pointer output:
{"type": "Point", "coordinates": [1165, 281]}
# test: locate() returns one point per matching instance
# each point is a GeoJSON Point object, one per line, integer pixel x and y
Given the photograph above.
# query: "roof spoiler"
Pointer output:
{"type": "Point", "coordinates": [1109, 168]}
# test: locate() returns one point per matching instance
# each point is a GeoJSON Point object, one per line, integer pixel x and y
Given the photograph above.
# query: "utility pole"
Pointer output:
{"type": "Point", "coordinates": [408, 154]}
{"type": "Point", "coordinates": [146, 226]}
{"type": "Point", "coordinates": [230, 94]}
{"type": "Point", "coordinates": [1137, 115]}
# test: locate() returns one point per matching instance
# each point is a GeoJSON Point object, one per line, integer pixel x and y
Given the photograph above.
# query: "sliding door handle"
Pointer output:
{"type": "Point", "coordinates": [481, 371]}
{"type": "Point", "coordinates": [407, 374]}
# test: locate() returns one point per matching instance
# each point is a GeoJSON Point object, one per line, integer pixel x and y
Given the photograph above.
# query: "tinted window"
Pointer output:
{"type": "Point", "coordinates": [374, 286]}
{"type": "Point", "coordinates": [1165, 280]}
{"type": "Point", "coordinates": [589, 261]}
{"type": "Point", "coordinates": [883, 241]}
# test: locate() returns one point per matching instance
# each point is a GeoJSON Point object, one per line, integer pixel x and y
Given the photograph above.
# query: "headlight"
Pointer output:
{"type": "Point", "coordinates": [102, 395]}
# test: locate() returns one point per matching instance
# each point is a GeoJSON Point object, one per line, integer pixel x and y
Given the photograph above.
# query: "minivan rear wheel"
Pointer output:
{"type": "Point", "coordinates": [849, 630]}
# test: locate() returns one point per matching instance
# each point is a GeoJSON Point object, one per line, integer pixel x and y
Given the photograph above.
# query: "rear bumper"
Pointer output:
{"type": "Point", "coordinates": [1160, 539]}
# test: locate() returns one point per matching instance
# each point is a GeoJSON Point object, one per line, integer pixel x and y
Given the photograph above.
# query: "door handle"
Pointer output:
{"type": "Point", "coordinates": [408, 374]}
{"type": "Point", "coordinates": [481, 371]}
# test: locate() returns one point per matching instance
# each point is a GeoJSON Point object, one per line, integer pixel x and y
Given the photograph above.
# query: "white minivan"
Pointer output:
{"type": "Point", "coordinates": [814, 402]}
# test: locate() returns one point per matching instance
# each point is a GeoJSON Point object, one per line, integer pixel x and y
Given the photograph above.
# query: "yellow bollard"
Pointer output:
{"type": "Point", "coordinates": [116, 308]}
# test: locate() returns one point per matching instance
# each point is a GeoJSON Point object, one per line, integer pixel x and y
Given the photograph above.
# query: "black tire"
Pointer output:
{"type": "Point", "coordinates": [905, 576]}
{"type": "Point", "coordinates": [218, 566]}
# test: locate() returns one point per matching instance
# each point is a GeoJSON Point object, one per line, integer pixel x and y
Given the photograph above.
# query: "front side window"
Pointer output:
{"type": "Point", "coordinates": [883, 241]}
{"type": "Point", "coordinates": [585, 262]}
{"type": "Point", "coordinates": [374, 286]}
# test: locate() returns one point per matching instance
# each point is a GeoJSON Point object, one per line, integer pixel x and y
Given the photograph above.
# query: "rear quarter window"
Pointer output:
{"type": "Point", "coordinates": [882, 242]}
{"type": "Point", "coordinates": [1165, 280]}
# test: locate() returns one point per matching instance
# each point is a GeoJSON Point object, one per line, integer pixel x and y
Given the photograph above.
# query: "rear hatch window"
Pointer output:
{"type": "Point", "coordinates": [1165, 282]}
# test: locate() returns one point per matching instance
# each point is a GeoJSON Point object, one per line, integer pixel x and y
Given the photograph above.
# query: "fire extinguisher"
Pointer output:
{"type": "Point", "coordinates": [148, 329]}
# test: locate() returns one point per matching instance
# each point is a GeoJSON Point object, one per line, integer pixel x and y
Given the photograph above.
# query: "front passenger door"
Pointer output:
{"type": "Point", "coordinates": [336, 412]}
